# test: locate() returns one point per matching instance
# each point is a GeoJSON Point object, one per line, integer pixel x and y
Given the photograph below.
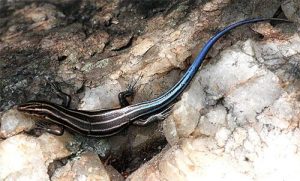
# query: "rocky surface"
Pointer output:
{"type": "Point", "coordinates": [291, 9]}
{"type": "Point", "coordinates": [241, 111]}
{"type": "Point", "coordinates": [14, 122]}
{"type": "Point", "coordinates": [249, 120]}
{"type": "Point", "coordinates": [27, 158]}
{"type": "Point", "coordinates": [87, 167]}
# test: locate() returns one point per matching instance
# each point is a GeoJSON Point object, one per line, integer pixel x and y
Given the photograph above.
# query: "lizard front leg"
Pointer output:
{"type": "Point", "coordinates": [42, 126]}
{"type": "Point", "coordinates": [129, 92]}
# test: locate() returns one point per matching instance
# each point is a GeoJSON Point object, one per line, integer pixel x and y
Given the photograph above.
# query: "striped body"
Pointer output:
{"type": "Point", "coordinates": [90, 123]}
{"type": "Point", "coordinates": [108, 122]}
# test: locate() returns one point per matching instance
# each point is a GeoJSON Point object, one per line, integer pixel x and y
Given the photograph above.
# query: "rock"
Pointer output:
{"type": "Point", "coordinates": [114, 175]}
{"type": "Point", "coordinates": [232, 114]}
{"type": "Point", "coordinates": [142, 136]}
{"type": "Point", "coordinates": [104, 17]}
{"type": "Point", "coordinates": [87, 167]}
{"type": "Point", "coordinates": [223, 74]}
{"type": "Point", "coordinates": [185, 115]}
{"type": "Point", "coordinates": [22, 158]}
{"type": "Point", "coordinates": [54, 147]}
{"type": "Point", "coordinates": [135, 146]}
{"type": "Point", "coordinates": [214, 5]}
{"type": "Point", "coordinates": [222, 136]}
{"type": "Point", "coordinates": [142, 47]}
{"type": "Point", "coordinates": [281, 113]}
{"type": "Point", "coordinates": [193, 159]}
{"type": "Point", "coordinates": [44, 17]}
{"type": "Point", "coordinates": [121, 42]}
{"type": "Point", "coordinates": [258, 93]}
{"type": "Point", "coordinates": [149, 170]}
{"type": "Point", "coordinates": [282, 150]}
{"type": "Point", "coordinates": [94, 98]}
{"type": "Point", "coordinates": [27, 158]}
{"type": "Point", "coordinates": [201, 159]}
{"type": "Point", "coordinates": [170, 131]}
{"type": "Point", "coordinates": [247, 120]}
{"type": "Point", "coordinates": [97, 41]}
{"type": "Point", "coordinates": [290, 9]}
{"type": "Point", "coordinates": [210, 123]}
{"type": "Point", "coordinates": [99, 146]}
{"type": "Point", "coordinates": [14, 122]}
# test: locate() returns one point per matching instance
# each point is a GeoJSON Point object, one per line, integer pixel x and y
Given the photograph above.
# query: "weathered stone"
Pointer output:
{"type": "Point", "coordinates": [257, 93]}
{"type": "Point", "coordinates": [54, 147]}
{"type": "Point", "coordinates": [191, 160]}
{"type": "Point", "coordinates": [142, 47]}
{"type": "Point", "coordinates": [185, 115]}
{"type": "Point", "coordinates": [87, 167]}
{"type": "Point", "coordinates": [114, 175]}
{"type": "Point", "coordinates": [215, 5]}
{"type": "Point", "coordinates": [44, 17]}
{"type": "Point", "coordinates": [21, 158]}
{"type": "Point", "coordinates": [27, 158]}
{"type": "Point", "coordinates": [226, 116]}
{"type": "Point", "coordinates": [252, 130]}
{"type": "Point", "coordinates": [224, 75]}
{"type": "Point", "coordinates": [101, 97]}
{"type": "Point", "coordinates": [14, 122]}
{"type": "Point", "coordinates": [281, 114]}
{"type": "Point", "coordinates": [120, 42]}
{"type": "Point", "coordinates": [291, 9]}
{"type": "Point", "coordinates": [210, 123]}
{"type": "Point", "coordinates": [96, 42]}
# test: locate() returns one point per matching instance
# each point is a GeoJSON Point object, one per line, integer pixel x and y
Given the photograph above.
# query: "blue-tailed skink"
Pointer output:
{"type": "Point", "coordinates": [103, 123]}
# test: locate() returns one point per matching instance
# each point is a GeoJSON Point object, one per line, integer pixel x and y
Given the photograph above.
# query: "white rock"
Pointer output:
{"type": "Point", "coordinates": [186, 113]}
{"type": "Point", "coordinates": [54, 147]}
{"type": "Point", "coordinates": [256, 138]}
{"type": "Point", "coordinates": [101, 97]}
{"type": "Point", "coordinates": [26, 158]}
{"type": "Point", "coordinates": [210, 123]}
{"type": "Point", "coordinates": [87, 167]}
{"type": "Point", "coordinates": [21, 157]}
{"type": "Point", "coordinates": [14, 122]}
{"type": "Point", "coordinates": [225, 75]}
{"type": "Point", "coordinates": [191, 160]}
{"type": "Point", "coordinates": [252, 96]}
{"type": "Point", "coordinates": [280, 159]}
{"type": "Point", "coordinates": [170, 131]}
{"type": "Point", "coordinates": [280, 114]}
{"type": "Point", "coordinates": [222, 136]}
{"type": "Point", "coordinates": [142, 47]}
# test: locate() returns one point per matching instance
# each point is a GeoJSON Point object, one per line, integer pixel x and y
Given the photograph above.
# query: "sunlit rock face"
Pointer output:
{"type": "Point", "coordinates": [87, 167]}
{"type": "Point", "coordinates": [238, 119]}
{"type": "Point", "coordinates": [14, 122]}
{"type": "Point", "coordinates": [27, 158]}
{"type": "Point", "coordinates": [249, 130]}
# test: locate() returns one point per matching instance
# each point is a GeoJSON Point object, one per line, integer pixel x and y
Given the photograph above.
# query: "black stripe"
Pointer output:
{"type": "Point", "coordinates": [60, 119]}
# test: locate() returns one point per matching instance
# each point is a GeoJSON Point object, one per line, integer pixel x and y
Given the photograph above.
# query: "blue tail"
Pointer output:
{"type": "Point", "coordinates": [168, 97]}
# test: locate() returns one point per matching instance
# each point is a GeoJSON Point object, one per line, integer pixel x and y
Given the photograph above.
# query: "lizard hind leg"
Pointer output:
{"type": "Point", "coordinates": [156, 117]}
{"type": "Point", "coordinates": [42, 126]}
